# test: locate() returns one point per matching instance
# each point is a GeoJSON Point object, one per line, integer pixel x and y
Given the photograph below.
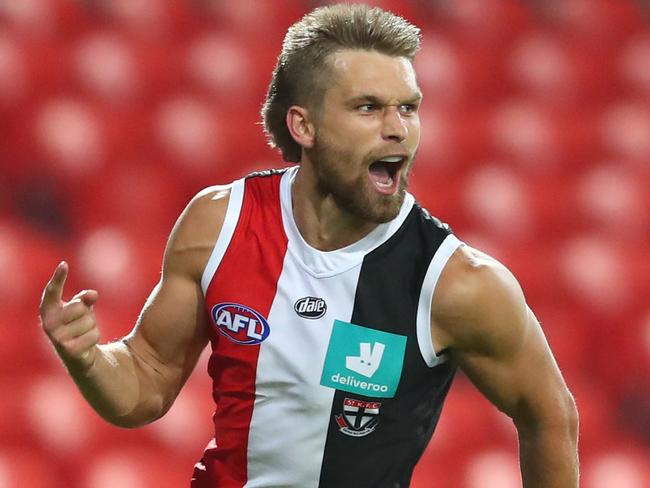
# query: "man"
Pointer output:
{"type": "Point", "coordinates": [337, 308]}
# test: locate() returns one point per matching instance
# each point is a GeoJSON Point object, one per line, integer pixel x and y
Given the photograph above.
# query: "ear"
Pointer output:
{"type": "Point", "coordinates": [300, 126]}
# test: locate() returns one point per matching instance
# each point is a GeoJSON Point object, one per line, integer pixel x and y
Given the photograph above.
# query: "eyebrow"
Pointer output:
{"type": "Point", "coordinates": [417, 97]}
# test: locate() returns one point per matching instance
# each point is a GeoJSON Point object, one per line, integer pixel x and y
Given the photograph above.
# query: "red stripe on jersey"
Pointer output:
{"type": "Point", "coordinates": [247, 275]}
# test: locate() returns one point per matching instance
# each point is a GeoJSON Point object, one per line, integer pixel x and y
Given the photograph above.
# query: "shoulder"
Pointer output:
{"type": "Point", "coordinates": [478, 304]}
{"type": "Point", "coordinates": [196, 231]}
{"type": "Point", "coordinates": [200, 213]}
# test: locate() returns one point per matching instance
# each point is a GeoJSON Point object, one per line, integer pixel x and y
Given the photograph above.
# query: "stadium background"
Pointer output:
{"type": "Point", "coordinates": [536, 148]}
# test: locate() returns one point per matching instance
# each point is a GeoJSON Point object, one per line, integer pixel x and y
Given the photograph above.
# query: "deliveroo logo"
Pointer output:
{"type": "Point", "coordinates": [368, 361]}
{"type": "Point", "coordinates": [362, 360]}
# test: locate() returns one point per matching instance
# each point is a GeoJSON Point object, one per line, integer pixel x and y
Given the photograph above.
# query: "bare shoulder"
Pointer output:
{"type": "Point", "coordinates": [196, 231]}
{"type": "Point", "coordinates": [478, 304]}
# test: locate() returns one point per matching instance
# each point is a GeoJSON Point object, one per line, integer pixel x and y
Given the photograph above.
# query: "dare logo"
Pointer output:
{"type": "Point", "coordinates": [240, 324]}
{"type": "Point", "coordinates": [310, 307]}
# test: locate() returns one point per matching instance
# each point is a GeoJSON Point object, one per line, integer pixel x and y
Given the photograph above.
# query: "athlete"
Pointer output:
{"type": "Point", "coordinates": [336, 307]}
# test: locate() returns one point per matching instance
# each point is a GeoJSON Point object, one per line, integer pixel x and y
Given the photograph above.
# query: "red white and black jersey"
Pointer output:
{"type": "Point", "coordinates": [323, 366]}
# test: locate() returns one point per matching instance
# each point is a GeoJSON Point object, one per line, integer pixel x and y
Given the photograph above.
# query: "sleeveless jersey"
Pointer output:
{"type": "Point", "coordinates": [322, 363]}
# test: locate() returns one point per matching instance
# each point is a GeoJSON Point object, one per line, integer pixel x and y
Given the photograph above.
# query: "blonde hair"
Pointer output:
{"type": "Point", "coordinates": [300, 75]}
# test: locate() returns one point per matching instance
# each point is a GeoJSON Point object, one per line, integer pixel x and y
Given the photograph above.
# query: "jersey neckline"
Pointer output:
{"type": "Point", "coordinates": [322, 264]}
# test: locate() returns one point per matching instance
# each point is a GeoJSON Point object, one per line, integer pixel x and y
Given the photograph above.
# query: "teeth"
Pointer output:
{"type": "Point", "coordinates": [392, 159]}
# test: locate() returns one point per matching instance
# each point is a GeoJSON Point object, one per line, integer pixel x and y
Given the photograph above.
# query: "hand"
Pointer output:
{"type": "Point", "coordinates": [71, 326]}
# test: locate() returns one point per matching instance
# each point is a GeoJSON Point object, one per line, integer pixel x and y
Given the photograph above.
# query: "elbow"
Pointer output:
{"type": "Point", "coordinates": [559, 416]}
{"type": "Point", "coordinates": [124, 422]}
{"type": "Point", "coordinates": [128, 421]}
{"type": "Point", "coordinates": [138, 417]}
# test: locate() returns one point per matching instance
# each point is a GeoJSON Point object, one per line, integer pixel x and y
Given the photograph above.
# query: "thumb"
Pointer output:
{"type": "Point", "coordinates": [53, 292]}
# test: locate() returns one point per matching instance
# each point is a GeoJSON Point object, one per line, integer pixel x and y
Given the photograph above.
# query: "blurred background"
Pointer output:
{"type": "Point", "coordinates": [536, 149]}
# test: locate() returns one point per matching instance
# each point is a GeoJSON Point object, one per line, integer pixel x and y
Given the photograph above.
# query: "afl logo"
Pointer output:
{"type": "Point", "coordinates": [310, 307]}
{"type": "Point", "coordinates": [240, 324]}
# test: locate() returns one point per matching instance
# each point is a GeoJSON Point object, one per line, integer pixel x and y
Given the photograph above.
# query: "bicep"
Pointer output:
{"type": "Point", "coordinates": [171, 331]}
{"type": "Point", "coordinates": [480, 315]}
{"type": "Point", "coordinates": [516, 370]}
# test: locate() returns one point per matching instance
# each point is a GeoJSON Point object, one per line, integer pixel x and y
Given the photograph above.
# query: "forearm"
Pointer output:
{"type": "Point", "coordinates": [549, 455]}
{"type": "Point", "coordinates": [117, 386]}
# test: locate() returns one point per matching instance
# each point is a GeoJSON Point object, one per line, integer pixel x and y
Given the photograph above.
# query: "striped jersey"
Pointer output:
{"type": "Point", "coordinates": [324, 373]}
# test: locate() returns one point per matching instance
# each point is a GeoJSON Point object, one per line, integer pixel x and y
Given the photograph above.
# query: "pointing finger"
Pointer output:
{"type": "Point", "coordinates": [53, 293]}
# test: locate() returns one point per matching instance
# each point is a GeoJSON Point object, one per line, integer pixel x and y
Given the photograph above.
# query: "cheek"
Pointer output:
{"type": "Point", "coordinates": [414, 134]}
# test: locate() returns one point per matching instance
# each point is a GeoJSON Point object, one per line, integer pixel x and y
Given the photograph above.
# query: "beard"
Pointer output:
{"type": "Point", "coordinates": [355, 195]}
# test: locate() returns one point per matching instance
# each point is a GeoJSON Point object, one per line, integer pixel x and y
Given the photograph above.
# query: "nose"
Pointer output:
{"type": "Point", "coordinates": [394, 127]}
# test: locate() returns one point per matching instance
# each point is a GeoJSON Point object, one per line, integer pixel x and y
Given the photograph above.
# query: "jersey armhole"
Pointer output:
{"type": "Point", "coordinates": [423, 327]}
{"type": "Point", "coordinates": [233, 211]}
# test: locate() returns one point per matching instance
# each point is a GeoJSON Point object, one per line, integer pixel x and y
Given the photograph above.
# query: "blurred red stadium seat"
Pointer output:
{"type": "Point", "coordinates": [120, 265]}
{"type": "Point", "coordinates": [479, 20]}
{"type": "Point", "coordinates": [13, 73]}
{"type": "Point", "coordinates": [634, 65]}
{"type": "Point", "coordinates": [139, 197]}
{"type": "Point", "coordinates": [220, 64]}
{"type": "Point", "coordinates": [134, 467]}
{"type": "Point", "coordinates": [491, 468]}
{"type": "Point", "coordinates": [625, 130]}
{"type": "Point", "coordinates": [594, 273]}
{"type": "Point", "coordinates": [106, 67]}
{"type": "Point", "coordinates": [58, 415]}
{"type": "Point", "coordinates": [26, 467]}
{"type": "Point", "coordinates": [497, 203]}
{"type": "Point", "coordinates": [524, 131]}
{"type": "Point", "coordinates": [623, 466]}
{"type": "Point", "coordinates": [606, 19]}
{"type": "Point", "coordinates": [535, 147]}
{"type": "Point", "coordinates": [540, 67]}
{"type": "Point", "coordinates": [71, 137]}
{"type": "Point", "coordinates": [190, 133]}
{"type": "Point", "coordinates": [610, 201]}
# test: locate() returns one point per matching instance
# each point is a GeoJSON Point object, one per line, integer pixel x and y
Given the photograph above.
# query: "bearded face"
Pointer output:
{"type": "Point", "coordinates": [366, 133]}
{"type": "Point", "coordinates": [353, 191]}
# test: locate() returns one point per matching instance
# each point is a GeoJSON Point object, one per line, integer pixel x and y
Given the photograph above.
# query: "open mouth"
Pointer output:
{"type": "Point", "coordinates": [385, 173]}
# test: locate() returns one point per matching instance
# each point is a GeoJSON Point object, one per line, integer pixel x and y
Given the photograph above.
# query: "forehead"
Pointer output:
{"type": "Point", "coordinates": [356, 71]}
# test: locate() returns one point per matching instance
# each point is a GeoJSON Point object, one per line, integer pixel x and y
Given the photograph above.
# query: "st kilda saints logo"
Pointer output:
{"type": "Point", "coordinates": [359, 418]}
{"type": "Point", "coordinates": [310, 307]}
{"type": "Point", "coordinates": [240, 324]}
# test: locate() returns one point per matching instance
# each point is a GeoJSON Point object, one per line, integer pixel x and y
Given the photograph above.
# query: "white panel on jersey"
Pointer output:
{"type": "Point", "coordinates": [227, 230]}
{"type": "Point", "coordinates": [437, 264]}
{"type": "Point", "coordinates": [292, 410]}
{"type": "Point", "coordinates": [328, 263]}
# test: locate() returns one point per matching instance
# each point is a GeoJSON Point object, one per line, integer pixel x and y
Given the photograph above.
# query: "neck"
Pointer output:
{"type": "Point", "coordinates": [321, 222]}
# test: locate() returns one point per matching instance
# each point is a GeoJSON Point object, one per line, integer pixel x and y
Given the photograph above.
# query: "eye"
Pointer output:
{"type": "Point", "coordinates": [408, 108]}
{"type": "Point", "coordinates": [367, 108]}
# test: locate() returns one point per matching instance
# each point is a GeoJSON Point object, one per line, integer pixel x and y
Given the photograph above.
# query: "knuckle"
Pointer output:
{"type": "Point", "coordinates": [95, 335]}
{"type": "Point", "coordinates": [56, 339]}
{"type": "Point", "coordinates": [69, 347]}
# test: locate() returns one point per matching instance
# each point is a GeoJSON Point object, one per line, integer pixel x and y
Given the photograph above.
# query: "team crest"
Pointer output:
{"type": "Point", "coordinates": [359, 418]}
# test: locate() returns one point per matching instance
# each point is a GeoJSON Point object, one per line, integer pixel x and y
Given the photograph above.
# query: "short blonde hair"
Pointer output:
{"type": "Point", "coordinates": [300, 75]}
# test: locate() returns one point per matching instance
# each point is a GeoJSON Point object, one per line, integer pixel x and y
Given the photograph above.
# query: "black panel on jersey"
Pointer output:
{"type": "Point", "coordinates": [387, 299]}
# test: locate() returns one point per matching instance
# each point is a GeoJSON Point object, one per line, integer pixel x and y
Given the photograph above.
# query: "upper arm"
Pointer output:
{"type": "Point", "coordinates": [172, 329]}
{"type": "Point", "coordinates": [481, 317]}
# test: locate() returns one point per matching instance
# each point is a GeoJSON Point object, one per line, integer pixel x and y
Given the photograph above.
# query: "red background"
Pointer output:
{"type": "Point", "coordinates": [536, 149]}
